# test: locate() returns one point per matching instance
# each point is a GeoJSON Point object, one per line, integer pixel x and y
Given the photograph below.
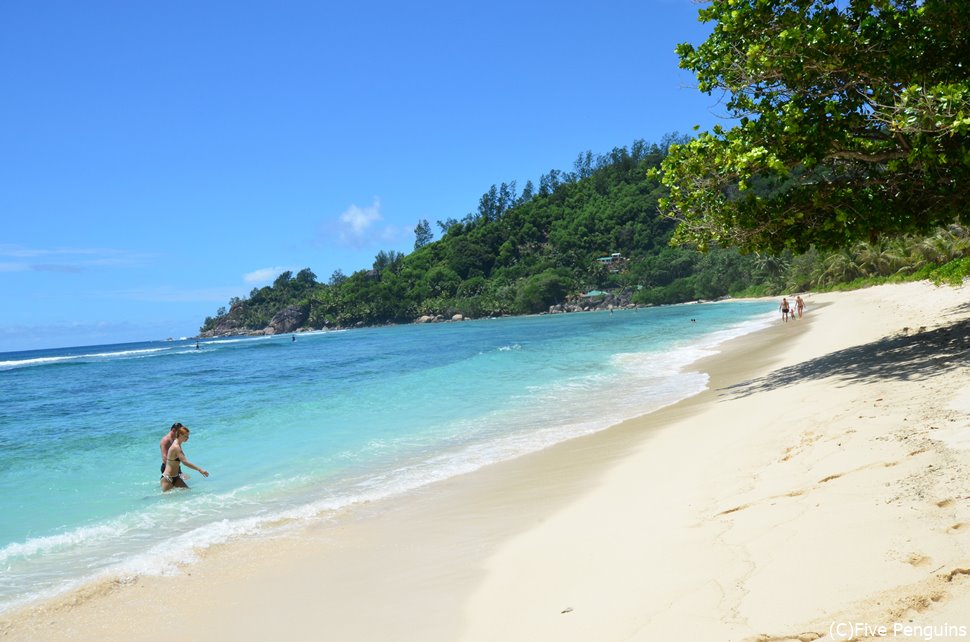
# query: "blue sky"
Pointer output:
{"type": "Point", "coordinates": [160, 158]}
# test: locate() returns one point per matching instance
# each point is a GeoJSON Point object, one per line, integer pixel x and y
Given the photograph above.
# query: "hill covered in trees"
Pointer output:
{"type": "Point", "coordinates": [596, 228]}
{"type": "Point", "coordinates": [520, 252]}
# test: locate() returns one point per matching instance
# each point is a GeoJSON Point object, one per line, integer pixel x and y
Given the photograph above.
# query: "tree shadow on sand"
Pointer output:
{"type": "Point", "coordinates": [911, 355]}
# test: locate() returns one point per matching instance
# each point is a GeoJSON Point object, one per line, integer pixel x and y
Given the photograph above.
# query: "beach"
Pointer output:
{"type": "Point", "coordinates": [819, 489]}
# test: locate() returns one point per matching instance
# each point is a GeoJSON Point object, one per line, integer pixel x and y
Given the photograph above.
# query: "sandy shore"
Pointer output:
{"type": "Point", "coordinates": [819, 490]}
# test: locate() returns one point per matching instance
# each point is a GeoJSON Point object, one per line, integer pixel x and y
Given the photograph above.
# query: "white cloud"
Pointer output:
{"type": "Point", "coordinates": [360, 228]}
{"type": "Point", "coordinates": [357, 223]}
{"type": "Point", "coordinates": [263, 275]}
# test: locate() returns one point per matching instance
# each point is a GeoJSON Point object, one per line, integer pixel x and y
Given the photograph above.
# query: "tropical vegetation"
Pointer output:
{"type": "Point", "coordinates": [853, 124]}
{"type": "Point", "coordinates": [544, 249]}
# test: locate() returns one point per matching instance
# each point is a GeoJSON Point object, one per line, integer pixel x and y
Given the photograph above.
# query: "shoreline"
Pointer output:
{"type": "Point", "coordinates": [438, 318]}
{"type": "Point", "coordinates": [141, 553]}
{"type": "Point", "coordinates": [542, 547]}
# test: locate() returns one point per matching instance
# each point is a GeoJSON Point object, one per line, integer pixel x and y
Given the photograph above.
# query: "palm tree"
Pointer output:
{"type": "Point", "coordinates": [878, 258]}
{"type": "Point", "coordinates": [947, 244]}
{"type": "Point", "coordinates": [773, 267]}
{"type": "Point", "coordinates": [838, 268]}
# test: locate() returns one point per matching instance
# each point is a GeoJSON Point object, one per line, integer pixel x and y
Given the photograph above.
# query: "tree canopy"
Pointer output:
{"type": "Point", "coordinates": [853, 123]}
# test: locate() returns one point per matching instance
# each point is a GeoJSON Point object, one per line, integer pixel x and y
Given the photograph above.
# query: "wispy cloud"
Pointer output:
{"type": "Point", "coordinates": [28, 259]}
{"type": "Point", "coordinates": [263, 275]}
{"type": "Point", "coordinates": [169, 294]}
{"type": "Point", "coordinates": [174, 294]}
{"type": "Point", "coordinates": [81, 333]}
{"type": "Point", "coordinates": [56, 267]}
{"type": "Point", "coordinates": [21, 252]}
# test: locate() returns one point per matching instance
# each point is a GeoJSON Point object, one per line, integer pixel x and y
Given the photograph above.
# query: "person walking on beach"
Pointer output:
{"type": "Point", "coordinates": [799, 305]}
{"type": "Point", "coordinates": [167, 441]}
{"type": "Point", "coordinates": [172, 475]}
{"type": "Point", "coordinates": [784, 308]}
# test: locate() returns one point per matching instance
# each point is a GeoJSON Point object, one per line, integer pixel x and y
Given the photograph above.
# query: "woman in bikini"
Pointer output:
{"type": "Point", "coordinates": [172, 475]}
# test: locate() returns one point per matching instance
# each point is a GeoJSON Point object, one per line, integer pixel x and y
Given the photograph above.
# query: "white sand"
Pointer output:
{"type": "Point", "coordinates": [832, 494]}
{"type": "Point", "coordinates": [820, 488]}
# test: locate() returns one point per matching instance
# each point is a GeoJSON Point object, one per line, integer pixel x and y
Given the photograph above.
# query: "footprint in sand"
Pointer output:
{"type": "Point", "coordinates": [807, 439]}
{"type": "Point", "coordinates": [915, 559]}
{"type": "Point", "coordinates": [918, 603]}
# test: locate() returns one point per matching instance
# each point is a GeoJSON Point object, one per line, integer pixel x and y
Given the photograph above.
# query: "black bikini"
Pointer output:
{"type": "Point", "coordinates": [171, 480]}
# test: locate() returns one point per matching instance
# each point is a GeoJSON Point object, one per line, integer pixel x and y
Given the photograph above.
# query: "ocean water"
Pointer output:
{"type": "Point", "coordinates": [294, 430]}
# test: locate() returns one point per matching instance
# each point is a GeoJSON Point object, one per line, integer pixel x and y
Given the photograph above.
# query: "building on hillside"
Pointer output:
{"type": "Point", "coordinates": [614, 262]}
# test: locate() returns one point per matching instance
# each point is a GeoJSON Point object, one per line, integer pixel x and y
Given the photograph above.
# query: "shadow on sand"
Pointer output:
{"type": "Point", "coordinates": [910, 355]}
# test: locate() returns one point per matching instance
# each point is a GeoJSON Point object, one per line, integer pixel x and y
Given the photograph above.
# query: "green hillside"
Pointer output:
{"type": "Point", "coordinates": [595, 228]}
{"type": "Point", "coordinates": [520, 252]}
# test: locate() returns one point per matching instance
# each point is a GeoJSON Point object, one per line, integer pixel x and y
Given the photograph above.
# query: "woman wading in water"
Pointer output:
{"type": "Point", "coordinates": [172, 475]}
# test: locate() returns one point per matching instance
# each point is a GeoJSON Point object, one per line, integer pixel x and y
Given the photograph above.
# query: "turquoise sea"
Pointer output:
{"type": "Point", "coordinates": [294, 430]}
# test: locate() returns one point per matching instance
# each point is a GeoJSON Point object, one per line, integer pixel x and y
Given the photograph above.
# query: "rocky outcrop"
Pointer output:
{"type": "Point", "coordinates": [288, 320]}
{"type": "Point", "coordinates": [594, 301]}
{"type": "Point", "coordinates": [229, 324]}
{"type": "Point", "coordinates": [437, 318]}
{"type": "Point", "coordinates": [291, 319]}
